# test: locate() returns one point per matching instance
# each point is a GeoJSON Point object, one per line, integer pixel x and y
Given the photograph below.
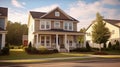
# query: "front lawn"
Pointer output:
{"type": "Point", "coordinates": [21, 54]}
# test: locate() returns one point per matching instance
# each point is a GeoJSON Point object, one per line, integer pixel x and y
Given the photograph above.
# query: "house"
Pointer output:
{"type": "Point", "coordinates": [25, 40]}
{"type": "Point", "coordinates": [53, 30]}
{"type": "Point", "coordinates": [112, 25]}
{"type": "Point", "coordinates": [3, 22]}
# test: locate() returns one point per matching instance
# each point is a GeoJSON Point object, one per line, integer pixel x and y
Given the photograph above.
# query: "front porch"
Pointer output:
{"type": "Point", "coordinates": [2, 40]}
{"type": "Point", "coordinates": [60, 41]}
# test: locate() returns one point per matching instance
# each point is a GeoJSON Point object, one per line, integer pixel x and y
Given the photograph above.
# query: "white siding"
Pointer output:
{"type": "Point", "coordinates": [114, 36]}
{"type": "Point", "coordinates": [31, 29]}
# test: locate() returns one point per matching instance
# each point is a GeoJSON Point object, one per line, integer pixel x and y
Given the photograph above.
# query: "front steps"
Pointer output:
{"type": "Point", "coordinates": [63, 50]}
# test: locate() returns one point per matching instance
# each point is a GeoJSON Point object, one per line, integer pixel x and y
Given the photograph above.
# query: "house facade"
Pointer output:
{"type": "Point", "coordinates": [3, 21]}
{"type": "Point", "coordinates": [112, 25]}
{"type": "Point", "coordinates": [53, 30]}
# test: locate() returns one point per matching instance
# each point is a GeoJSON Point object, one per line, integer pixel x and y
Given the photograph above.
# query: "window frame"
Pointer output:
{"type": "Point", "coordinates": [45, 23]}
{"type": "Point", "coordinates": [57, 13]}
{"type": "Point", "coordinates": [58, 26]}
{"type": "Point", "coordinates": [68, 26]}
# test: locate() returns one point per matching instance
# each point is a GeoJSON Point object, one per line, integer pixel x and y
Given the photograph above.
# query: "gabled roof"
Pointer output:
{"type": "Point", "coordinates": [3, 11]}
{"type": "Point", "coordinates": [111, 21]}
{"type": "Point", "coordinates": [37, 14]}
{"type": "Point", "coordinates": [43, 15]}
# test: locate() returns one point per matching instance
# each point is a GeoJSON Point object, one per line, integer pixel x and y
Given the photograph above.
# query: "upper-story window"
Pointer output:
{"type": "Point", "coordinates": [47, 25]}
{"type": "Point", "coordinates": [57, 14]}
{"type": "Point", "coordinates": [113, 31]}
{"type": "Point", "coordinates": [68, 26]}
{"type": "Point", "coordinates": [65, 25]}
{"type": "Point", "coordinates": [44, 25]}
{"type": "Point", "coordinates": [56, 24]}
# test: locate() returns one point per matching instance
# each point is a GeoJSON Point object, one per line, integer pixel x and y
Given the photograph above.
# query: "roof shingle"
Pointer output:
{"type": "Point", "coordinates": [3, 11]}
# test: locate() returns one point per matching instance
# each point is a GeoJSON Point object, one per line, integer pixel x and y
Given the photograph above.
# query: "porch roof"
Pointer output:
{"type": "Point", "coordinates": [58, 32]}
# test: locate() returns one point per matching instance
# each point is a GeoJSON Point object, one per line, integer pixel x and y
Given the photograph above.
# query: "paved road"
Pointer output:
{"type": "Point", "coordinates": [81, 63]}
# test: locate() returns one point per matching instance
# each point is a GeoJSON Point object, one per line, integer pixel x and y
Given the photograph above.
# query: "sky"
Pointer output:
{"type": "Point", "coordinates": [82, 10]}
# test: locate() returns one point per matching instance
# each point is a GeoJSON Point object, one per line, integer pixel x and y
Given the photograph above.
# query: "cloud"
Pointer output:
{"type": "Point", "coordinates": [17, 16]}
{"type": "Point", "coordinates": [17, 4]}
{"type": "Point", "coordinates": [111, 2]}
{"type": "Point", "coordinates": [45, 8]}
{"type": "Point", "coordinates": [86, 12]}
{"type": "Point", "coordinates": [22, 16]}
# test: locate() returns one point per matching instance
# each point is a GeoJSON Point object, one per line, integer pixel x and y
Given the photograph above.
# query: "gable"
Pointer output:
{"type": "Point", "coordinates": [63, 15]}
{"type": "Point", "coordinates": [110, 21]}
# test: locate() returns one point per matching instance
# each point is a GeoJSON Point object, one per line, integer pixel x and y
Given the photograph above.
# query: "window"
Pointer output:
{"type": "Point", "coordinates": [113, 31]}
{"type": "Point", "coordinates": [45, 25]}
{"type": "Point", "coordinates": [42, 25]}
{"type": "Point", "coordinates": [56, 24]}
{"type": "Point", "coordinates": [68, 26]}
{"type": "Point", "coordinates": [88, 34]}
{"type": "Point", "coordinates": [57, 14]}
{"type": "Point", "coordinates": [42, 40]}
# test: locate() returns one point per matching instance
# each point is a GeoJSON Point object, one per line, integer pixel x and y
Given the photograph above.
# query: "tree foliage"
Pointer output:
{"type": "Point", "coordinates": [81, 38]}
{"type": "Point", "coordinates": [15, 32]}
{"type": "Point", "coordinates": [100, 33]}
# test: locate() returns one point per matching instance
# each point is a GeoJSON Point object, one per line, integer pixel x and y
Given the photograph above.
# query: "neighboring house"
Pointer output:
{"type": "Point", "coordinates": [3, 22]}
{"type": "Point", "coordinates": [25, 40]}
{"type": "Point", "coordinates": [53, 30]}
{"type": "Point", "coordinates": [112, 25]}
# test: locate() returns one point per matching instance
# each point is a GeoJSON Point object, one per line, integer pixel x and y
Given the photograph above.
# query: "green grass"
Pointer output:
{"type": "Point", "coordinates": [21, 54]}
{"type": "Point", "coordinates": [113, 52]}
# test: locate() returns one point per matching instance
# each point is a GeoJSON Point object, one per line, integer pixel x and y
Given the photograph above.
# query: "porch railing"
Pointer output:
{"type": "Point", "coordinates": [67, 47]}
{"type": "Point", "coordinates": [58, 47]}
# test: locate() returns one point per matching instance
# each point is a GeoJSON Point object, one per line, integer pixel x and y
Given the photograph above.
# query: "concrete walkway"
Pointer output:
{"type": "Point", "coordinates": [62, 58]}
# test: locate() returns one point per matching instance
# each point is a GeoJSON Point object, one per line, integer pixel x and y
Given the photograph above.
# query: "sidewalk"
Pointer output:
{"type": "Point", "coordinates": [58, 59]}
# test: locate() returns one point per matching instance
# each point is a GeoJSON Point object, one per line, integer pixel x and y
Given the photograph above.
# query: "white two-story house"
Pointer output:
{"type": "Point", "coordinates": [112, 25]}
{"type": "Point", "coordinates": [53, 30]}
{"type": "Point", "coordinates": [3, 22]}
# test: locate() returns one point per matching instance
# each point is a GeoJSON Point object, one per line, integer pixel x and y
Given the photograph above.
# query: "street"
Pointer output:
{"type": "Point", "coordinates": [80, 63]}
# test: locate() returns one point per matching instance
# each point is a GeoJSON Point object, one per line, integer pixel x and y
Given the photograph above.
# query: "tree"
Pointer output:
{"type": "Point", "coordinates": [15, 32]}
{"type": "Point", "coordinates": [81, 38]}
{"type": "Point", "coordinates": [100, 33]}
{"type": "Point", "coordinates": [88, 46]}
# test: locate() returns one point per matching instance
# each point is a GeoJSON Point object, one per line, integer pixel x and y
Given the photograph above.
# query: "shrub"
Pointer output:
{"type": "Point", "coordinates": [100, 53]}
{"type": "Point", "coordinates": [41, 50]}
{"type": "Point", "coordinates": [5, 51]}
{"type": "Point", "coordinates": [80, 50]}
{"type": "Point", "coordinates": [88, 46]}
{"type": "Point", "coordinates": [117, 45]}
{"type": "Point", "coordinates": [30, 45]}
{"type": "Point", "coordinates": [110, 45]}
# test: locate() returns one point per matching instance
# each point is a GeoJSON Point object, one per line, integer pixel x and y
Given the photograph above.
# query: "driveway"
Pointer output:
{"type": "Point", "coordinates": [80, 63]}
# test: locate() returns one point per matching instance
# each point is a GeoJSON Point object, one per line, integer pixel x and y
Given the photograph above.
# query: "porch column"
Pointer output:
{"type": "Point", "coordinates": [36, 40]}
{"type": "Point", "coordinates": [45, 42]}
{"type": "Point", "coordinates": [56, 39]}
{"type": "Point", "coordinates": [66, 45]}
{"type": "Point", "coordinates": [40, 40]}
{"type": "Point", "coordinates": [3, 40]}
{"type": "Point", "coordinates": [84, 41]}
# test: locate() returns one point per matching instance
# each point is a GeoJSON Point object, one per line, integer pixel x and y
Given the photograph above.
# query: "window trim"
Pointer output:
{"type": "Point", "coordinates": [44, 22]}
{"type": "Point", "coordinates": [68, 24]}
{"type": "Point", "coordinates": [57, 13]}
{"type": "Point", "coordinates": [55, 24]}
